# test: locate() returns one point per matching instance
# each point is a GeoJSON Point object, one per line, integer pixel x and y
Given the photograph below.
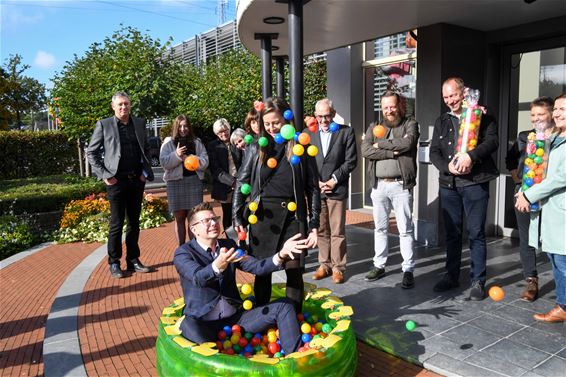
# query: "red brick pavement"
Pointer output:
{"type": "Point", "coordinates": [28, 288]}
{"type": "Point", "coordinates": [117, 317]}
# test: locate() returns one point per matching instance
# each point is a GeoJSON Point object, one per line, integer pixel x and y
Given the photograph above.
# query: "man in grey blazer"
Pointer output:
{"type": "Point", "coordinates": [336, 159]}
{"type": "Point", "coordinates": [117, 152]}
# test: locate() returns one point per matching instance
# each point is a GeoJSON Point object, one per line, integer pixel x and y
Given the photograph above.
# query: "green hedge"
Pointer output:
{"type": "Point", "coordinates": [31, 154]}
{"type": "Point", "coordinates": [44, 194]}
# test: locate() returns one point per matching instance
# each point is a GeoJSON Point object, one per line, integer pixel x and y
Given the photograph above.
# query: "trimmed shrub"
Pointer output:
{"type": "Point", "coordinates": [15, 236]}
{"type": "Point", "coordinates": [33, 154]}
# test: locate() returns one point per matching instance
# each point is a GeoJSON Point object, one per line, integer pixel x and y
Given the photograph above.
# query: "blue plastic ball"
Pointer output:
{"type": "Point", "coordinates": [334, 127]}
{"type": "Point", "coordinates": [296, 137]}
{"type": "Point", "coordinates": [282, 352]}
{"type": "Point", "coordinates": [257, 335]}
{"type": "Point", "coordinates": [306, 338]}
{"type": "Point", "coordinates": [306, 315]}
{"type": "Point", "coordinates": [295, 160]}
{"type": "Point", "coordinates": [279, 139]}
{"type": "Point", "coordinates": [248, 348]}
{"type": "Point", "coordinates": [227, 330]}
{"type": "Point", "coordinates": [529, 182]}
{"type": "Point", "coordinates": [240, 253]}
{"type": "Point", "coordinates": [288, 115]}
{"type": "Point", "coordinates": [535, 207]}
{"type": "Point", "coordinates": [526, 169]}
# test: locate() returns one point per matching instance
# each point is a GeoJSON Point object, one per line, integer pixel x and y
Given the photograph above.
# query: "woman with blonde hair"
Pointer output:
{"type": "Point", "coordinates": [184, 187]}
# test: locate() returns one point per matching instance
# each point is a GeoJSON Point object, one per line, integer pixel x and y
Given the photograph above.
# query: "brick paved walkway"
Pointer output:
{"type": "Point", "coordinates": [117, 317]}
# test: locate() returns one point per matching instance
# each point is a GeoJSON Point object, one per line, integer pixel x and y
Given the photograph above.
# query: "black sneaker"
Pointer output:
{"type": "Point", "coordinates": [374, 274]}
{"type": "Point", "coordinates": [477, 292]}
{"type": "Point", "coordinates": [445, 284]}
{"type": "Point", "coordinates": [137, 266]}
{"type": "Point", "coordinates": [408, 280]}
{"type": "Point", "coordinates": [116, 271]}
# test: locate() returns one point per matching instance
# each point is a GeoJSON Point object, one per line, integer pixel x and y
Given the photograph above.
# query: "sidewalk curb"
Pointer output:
{"type": "Point", "coordinates": [23, 254]}
{"type": "Point", "coordinates": [61, 345]}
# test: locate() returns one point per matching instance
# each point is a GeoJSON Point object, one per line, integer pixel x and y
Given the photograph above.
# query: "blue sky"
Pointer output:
{"type": "Point", "coordinates": [47, 33]}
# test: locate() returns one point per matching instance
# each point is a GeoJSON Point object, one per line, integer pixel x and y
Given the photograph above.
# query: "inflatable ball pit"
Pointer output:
{"type": "Point", "coordinates": [334, 355]}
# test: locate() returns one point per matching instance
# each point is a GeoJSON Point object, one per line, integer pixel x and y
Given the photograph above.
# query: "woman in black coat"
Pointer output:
{"type": "Point", "coordinates": [273, 188]}
{"type": "Point", "coordinates": [225, 161]}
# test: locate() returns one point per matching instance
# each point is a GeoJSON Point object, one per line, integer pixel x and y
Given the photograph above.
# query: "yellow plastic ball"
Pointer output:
{"type": "Point", "coordinates": [253, 206]}
{"type": "Point", "coordinates": [292, 206]}
{"type": "Point", "coordinates": [312, 151]}
{"type": "Point", "coordinates": [252, 219]}
{"type": "Point", "coordinates": [531, 174]}
{"type": "Point", "coordinates": [248, 304]}
{"type": "Point", "coordinates": [539, 152]}
{"type": "Point", "coordinates": [472, 143]}
{"type": "Point", "coordinates": [528, 161]}
{"type": "Point", "coordinates": [246, 289]}
{"type": "Point", "coordinates": [305, 328]}
{"type": "Point", "coordinates": [271, 337]}
{"type": "Point", "coordinates": [298, 150]}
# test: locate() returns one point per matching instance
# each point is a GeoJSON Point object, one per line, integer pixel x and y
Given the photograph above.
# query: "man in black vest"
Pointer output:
{"type": "Point", "coordinates": [117, 152]}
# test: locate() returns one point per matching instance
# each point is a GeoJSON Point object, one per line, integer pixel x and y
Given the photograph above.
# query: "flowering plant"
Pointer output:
{"type": "Point", "coordinates": [88, 219]}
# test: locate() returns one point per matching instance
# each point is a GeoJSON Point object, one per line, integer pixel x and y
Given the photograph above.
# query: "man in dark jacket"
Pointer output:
{"type": "Point", "coordinates": [392, 170]}
{"type": "Point", "coordinates": [464, 188]}
{"type": "Point", "coordinates": [207, 268]}
{"type": "Point", "coordinates": [337, 158]}
{"type": "Point", "coordinates": [118, 153]}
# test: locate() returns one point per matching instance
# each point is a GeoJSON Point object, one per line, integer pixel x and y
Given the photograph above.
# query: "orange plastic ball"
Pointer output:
{"type": "Point", "coordinates": [379, 131]}
{"type": "Point", "coordinates": [271, 163]}
{"type": "Point", "coordinates": [191, 163]}
{"type": "Point", "coordinates": [304, 138]}
{"type": "Point", "coordinates": [496, 293]}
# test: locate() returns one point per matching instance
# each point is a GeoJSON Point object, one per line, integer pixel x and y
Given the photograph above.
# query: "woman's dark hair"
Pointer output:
{"type": "Point", "coordinates": [188, 140]}
{"type": "Point", "coordinates": [253, 115]}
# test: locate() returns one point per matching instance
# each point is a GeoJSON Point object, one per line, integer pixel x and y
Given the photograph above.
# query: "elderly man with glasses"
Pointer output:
{"type": "Point", "coordinates": [207, 268]}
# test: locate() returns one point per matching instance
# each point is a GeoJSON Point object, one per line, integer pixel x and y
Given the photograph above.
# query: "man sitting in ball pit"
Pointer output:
{"type": "Point", "coordinates": [207, 268]}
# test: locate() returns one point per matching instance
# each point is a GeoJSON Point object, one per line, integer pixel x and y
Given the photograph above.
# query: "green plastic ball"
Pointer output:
{"type": "Point", "coordinates": [326, 328]}
{"type": "Point", "coordinates": [540, 144]}
{"type": "Point", "coordinates": [263, 141]}
{"type": "Point", "coordinates": [537, 160]}
{"type": "Point", "coordinates": [287, 131]}
{"type": "Point", "coordinates": [246, 189]}
{"type": "Point", "coordinates": [410, 325]}
{"type": "Point", "coordinates": [248, 139]}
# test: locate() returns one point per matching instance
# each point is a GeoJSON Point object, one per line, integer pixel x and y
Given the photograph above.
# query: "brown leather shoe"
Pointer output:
{"type": "Point", "coordinates": [320, 273]}
{"type": "Point", "coordinates": [531, 290]}
{"type": "Point", "coordinates": [556, 314]}
{"type": "Point", "coordinates": [337, 277]}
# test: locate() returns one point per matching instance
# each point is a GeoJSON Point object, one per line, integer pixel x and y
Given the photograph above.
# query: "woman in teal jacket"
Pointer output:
{"type": "Point", "coordinates": [550, 231]}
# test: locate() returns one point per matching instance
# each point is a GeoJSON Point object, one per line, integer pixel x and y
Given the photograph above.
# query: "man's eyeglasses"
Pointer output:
{"type": "Point", "coordinates": [207, 221]}
{"type": "Point", "coordinates": [326, 116]}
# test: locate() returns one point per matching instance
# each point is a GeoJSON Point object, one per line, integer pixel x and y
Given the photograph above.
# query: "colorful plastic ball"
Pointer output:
{"type": "Point", "coordinates": [242, 235]}
{"type": "Point", "coordinates": [313, 127]}
{"type": "Point", "coordinates": [296, 137]}
{"type": "Point", "coordinates": [255, 341]}
{"type": "Point", "coordinates": [304, 138]}
{"type": "Point", "coordinates": [248, 139]}
{"type": "Point", "coordinates": [240, 253]}
{"type": "Point", "coordinates": [248, 349]}
{"type": "Point", "coordinates": [271, 163]}
{"type": "Point", "coordinates": [525, 169]}
{"type": "Point", "coordinates": [306, 315]}
{"type": "Point", "coordinates": [258, 106]}
{"type": "Point", "coordinates": [243, 342]}
{"type": "Point", "coordinates": [334, 127]}
{"type": "Point", "coordinates": [530, 174]}
{"type": "Point", "coordinates": [252, 219]}
{"type": "Point", "coordinates": [279, 139]}
{"type": "Point", "coordinates": [298, 150]}
{"type": "Point", "coordinates": [253, 206]}
{"type": "Point", "coordinates": [221, 334]}
{"type": "Point", "coordinates": [310, 121]}
{"type": "Point", "coordinates": [538, 160]}
{"type": "Point", "coordinates": [326, 328]}
{"type": "Point", "coordinates": [236, 348]}
{"type": "Point", "coordinates": [191, 163]}
{"type": "Point", "coordinates": [305, 328]}
{"type": "Point", "coordinates": [227, 344]}
{"type": "Point", "coordinates": [273, 348]}
{"type": "Point", "coordinates": [540, 143]}
{"type": "Point", "coordinates": [236, 328]}
{"type": "Point", "coordinates": [246, 289]}
{"type": "Point", "coordinates": [312, 150]}
{"type": "Point", "coordinates": [410, 325]}
{"type": "Point", "coordinates": [277, 354]}
{"type": "Point", "coordinates": [524, 187]}
{"type": "Point", "coordinates": [246, 189]}
{"type": "Point", "coordinates": [313, 331]}
{"type": "Point", "coordinates": [287, 131]}
{"type": "Point", "coordinates": [248, 305]}
{"type": "Point", "coordinates": [539, 152]}
{"type": "Point", "coordinates": [262, 141]}
{"type": "Point", "coordinates": [472, 143]}
{"type": "Point", "coordinates": [229, 351]}
{"type": "Point", "coordinates": [295, 159]}
{"type": "Point", "coordinates": [531, 148]}
{"type": "Point", "coordinates": [318, 326]}
{"type": "Point", "coordinates": [235, 338]}
{"type": "Point", "coordinates": [496, 293]}
{"type": "Point", "coordinates": [535, 207]}
{"type": "Point", "coordinates": [292, 206]}
{"type": "Point", "coordinates": [306, 338]}
{"type": "Point", "coordinates": [379, 131]}
{"type": "Point", "coordinates": [537, 179]}
{"type": "Point", "coordinates": [288, 114]}
{"type": "Point", "coordinates": [529, 182]}
{"type": "Point", "coordinates": [271, 338]}
{"type": "Point", "coordinates": [227, 330]}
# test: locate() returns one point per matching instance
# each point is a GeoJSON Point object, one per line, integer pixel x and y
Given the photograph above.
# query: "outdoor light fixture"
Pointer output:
{"type": "Point", "coordinates": [273, 20]}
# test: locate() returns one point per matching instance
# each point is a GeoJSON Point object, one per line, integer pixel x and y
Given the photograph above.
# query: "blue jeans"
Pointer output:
{"type": "Point", "coordinates": [559, 271]}
{"type": "Point", "coordinates": [470, 201]}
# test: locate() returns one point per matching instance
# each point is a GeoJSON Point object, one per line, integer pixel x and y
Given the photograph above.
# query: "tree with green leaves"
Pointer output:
{"type": "Point", "coordinates": [127, 61]}
{"type": "Point", "coordinates": [19, 94]}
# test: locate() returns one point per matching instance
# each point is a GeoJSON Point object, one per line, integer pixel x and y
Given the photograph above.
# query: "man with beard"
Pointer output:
{"type": "Point", "coordinates": [391, 150]}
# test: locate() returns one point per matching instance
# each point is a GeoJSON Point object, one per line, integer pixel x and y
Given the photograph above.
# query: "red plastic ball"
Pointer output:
{"type": "Point", "coordinates": [236, 328]}
{"type": "Point", "coordinates": [242, 235]}
{"type": "Point", "coordinates": [222, 335]}
{"type": "Point", "coordinates": [243, 342]}
{"type": "Point", "coordinates": [273, 348]}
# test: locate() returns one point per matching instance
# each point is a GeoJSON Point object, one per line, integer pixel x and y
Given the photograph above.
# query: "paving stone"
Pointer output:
{"type": "Point", "coordinates": [552, 328]}
{"type": "Point", "coordinates": [555, 366]}
{"type": "Point", "coordinates": [466, 335]}
{"type": "Point", "coordinates": [449, 366]}
{"type": "Point", "coordinates": [496, 325]}
{"type": "Point", "coordinates": [488, 360]}
{"type": "Point", "coordinates": [562, 353]}
{"type": "Point", "coordinates": [443, 345]}
{"type": "Point", "coordinates": [515, 314]}
{"type": "Point", "coordinates": [538, 339]}
{"type": "Point", "coordinates": [516, 353]}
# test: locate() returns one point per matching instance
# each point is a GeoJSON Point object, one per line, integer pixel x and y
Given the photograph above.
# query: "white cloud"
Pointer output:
{"type": "Point", "coordinates": [44, 60]}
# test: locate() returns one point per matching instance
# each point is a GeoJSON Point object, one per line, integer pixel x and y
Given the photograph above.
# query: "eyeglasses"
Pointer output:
{"type": "Point", "coordinates": [207, 221]}
{"type": "Point", "coordinates": [326, 116]}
